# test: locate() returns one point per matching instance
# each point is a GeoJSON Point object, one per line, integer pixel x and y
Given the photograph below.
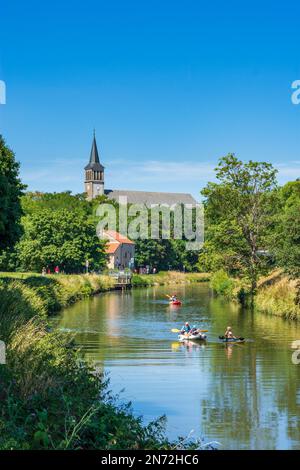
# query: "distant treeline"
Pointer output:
{"type": "Point", "coordinates": [251, 226]}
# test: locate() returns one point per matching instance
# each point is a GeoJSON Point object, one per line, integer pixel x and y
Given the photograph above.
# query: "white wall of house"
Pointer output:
{"type": "Point", "coordinates": [122, 256]}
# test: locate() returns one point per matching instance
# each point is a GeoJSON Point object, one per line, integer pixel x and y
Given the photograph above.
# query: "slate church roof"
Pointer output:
{"type": "Point", "coordinates": [94, 163]}
{"type": "Point", "coordinates": [150, 198]}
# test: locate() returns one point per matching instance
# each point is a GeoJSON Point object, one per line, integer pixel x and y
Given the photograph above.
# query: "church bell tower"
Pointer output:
{"type": "Point", "coordinates": [94, 174]}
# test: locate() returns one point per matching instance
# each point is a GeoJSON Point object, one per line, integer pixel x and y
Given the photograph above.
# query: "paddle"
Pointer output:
{"type": "Point", "coordinates": [175, 330]}
{"type": "Point", "coordinates": [174, 302]}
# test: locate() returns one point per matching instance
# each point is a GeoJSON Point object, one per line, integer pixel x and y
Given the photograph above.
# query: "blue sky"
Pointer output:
{"type": "Point", "coordinates": [170, 86]}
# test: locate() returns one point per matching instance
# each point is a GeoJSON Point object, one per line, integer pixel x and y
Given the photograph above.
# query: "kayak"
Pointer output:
{"type": "Point", "coordinates": [197, 337]}
{"type": "Point", "coordinates": [175, 302]}
{"type": "Point", "coordinates": [231, 340]}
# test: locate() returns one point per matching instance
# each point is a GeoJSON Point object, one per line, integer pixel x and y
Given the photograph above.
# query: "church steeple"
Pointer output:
{"type": "Point", "coordinates": [94, 173]}
{"type": "Point", "coordinates": [94, 163]}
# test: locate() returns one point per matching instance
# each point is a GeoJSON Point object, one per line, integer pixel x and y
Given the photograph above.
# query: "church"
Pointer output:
{"type": "Point", "coordinates": [95, 186]}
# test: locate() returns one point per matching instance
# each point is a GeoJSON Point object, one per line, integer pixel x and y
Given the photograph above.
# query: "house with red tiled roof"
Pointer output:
{"type": "Point", "coordinates": [120, 250]}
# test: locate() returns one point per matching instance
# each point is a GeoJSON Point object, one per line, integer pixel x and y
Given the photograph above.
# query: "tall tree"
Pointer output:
{"type": "Point", "coordinates": [239, 216]}
{"type": "Point", "coordinates": [11, 189]}
{"type": "Point", "coordinates": [286, 237]}
{"type": "Point", "coordinates": [60, 237]}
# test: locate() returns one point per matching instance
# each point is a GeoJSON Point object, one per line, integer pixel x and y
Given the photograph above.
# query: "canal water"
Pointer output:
{"type": "Point", "coordinates": [245, 396]}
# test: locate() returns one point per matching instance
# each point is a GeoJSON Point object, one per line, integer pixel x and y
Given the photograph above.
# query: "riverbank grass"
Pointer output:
{"type": "Point", "coordinates": [276, 293]}
{"type": "Point", "coordinates": [57, 291]}
{"type": "Point", "coordinates": [168, 277]}
{"type": "Point", "coordinates": [278, 296]}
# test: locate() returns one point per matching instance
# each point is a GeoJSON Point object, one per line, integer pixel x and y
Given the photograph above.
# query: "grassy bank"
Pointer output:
{"type": "Point", "coordinates": [168, 277]}
{"type": "Point", "coordinates": [277, 295]}
{"type": "Point", "coordinates": [49, 398]}
{"type": "Point", "coordinates": [57, 291]}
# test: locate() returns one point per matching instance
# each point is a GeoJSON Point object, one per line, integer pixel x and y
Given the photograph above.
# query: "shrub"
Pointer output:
{"type": "Point", "coordinates": [222, 284]}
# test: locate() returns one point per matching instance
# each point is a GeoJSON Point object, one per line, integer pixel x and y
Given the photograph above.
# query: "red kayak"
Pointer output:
{"type": "Point", "coordinates": [175, 302]}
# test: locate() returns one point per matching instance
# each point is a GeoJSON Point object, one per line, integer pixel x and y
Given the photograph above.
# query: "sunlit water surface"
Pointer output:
{"type": "Point", "coordinates": [245, 396]}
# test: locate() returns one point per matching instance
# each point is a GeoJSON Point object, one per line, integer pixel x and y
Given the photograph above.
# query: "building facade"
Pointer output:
{"type": "Point", "coordinates": [120, 250]}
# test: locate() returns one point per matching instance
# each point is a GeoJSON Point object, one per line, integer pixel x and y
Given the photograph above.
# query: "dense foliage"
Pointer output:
{"type": "Point", "coordinates": [58, 230]}
{"type": "Point", "coordinates": [286, 237]}
{"type": "Point", "coordinates": [61, 238]}
{"type": "Point", "coordinates": [11, 189]}
{"type": "Point", "coordinates": [165, 254]}
{"type": "Point", "coordinates": [240, 212]}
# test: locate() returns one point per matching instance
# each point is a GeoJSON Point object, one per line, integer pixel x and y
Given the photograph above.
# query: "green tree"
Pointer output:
{"type": "Point", "coordinates": [61, 238]}
{"type": "Point", "coordinates": [239, 217]}
{"type": "Point", "coordinates": [11, 190]}
{"type": "Point", "coordinates": [286, 238]}
{"type": "Point", "coordinates": [36, 201]}
{"type": "Point", "coordinates": [153, 253]}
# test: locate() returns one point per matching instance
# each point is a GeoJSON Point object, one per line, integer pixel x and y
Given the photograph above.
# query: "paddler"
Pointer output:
{"type": "Point", "coordinates": [173, 298]}
{"type": "Point", "coordinates": [194, 330]}
{"type": "Point", "coordinates": [185, 330]}
{"type": "Point", "coordinates": [228, 333]}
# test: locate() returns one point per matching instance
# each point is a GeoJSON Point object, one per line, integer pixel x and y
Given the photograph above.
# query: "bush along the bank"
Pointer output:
{"type": "Point", "coordinates": [49, 397]}
{"type": "Point", "coordinates": [231, 288]}
{"type": "Point", "coordinates": [222, 284]}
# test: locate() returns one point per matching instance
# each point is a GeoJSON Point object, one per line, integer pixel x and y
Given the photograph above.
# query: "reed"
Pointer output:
{"type": "Point", "coordinates": [277, 296]}
{"type": "Point", "coordinates": [168, 277]}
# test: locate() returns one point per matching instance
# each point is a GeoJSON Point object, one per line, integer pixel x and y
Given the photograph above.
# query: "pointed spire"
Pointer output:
{"type": "Point", "coordinates": [94, 163]}
{"type": "Point", "coordinates": [94, 157]}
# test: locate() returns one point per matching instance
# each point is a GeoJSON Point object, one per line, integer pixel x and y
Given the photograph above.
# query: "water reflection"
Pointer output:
{"type": "Point", "coordinates": [243, 395]}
